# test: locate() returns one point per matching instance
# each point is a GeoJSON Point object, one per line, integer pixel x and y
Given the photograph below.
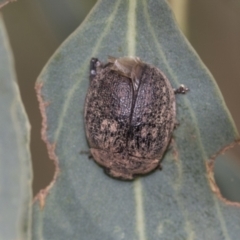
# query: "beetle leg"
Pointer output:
{"type": "Point", "coordinates": [94, 64]}
{"type": "Point", "coordinates": [90, 156]}
{"type": "Point", "coordinates": [107, 171]}
{"type": "Point", "coordinates": [176, 124]}
{"type": "Point", "coordinates": [182, 89]}
{"type": "Point", "coordinates": [160, 167]}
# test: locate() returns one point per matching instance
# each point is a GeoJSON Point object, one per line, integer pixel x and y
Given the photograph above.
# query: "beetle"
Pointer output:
{"type": "Point", "coordinates": [129, 114]}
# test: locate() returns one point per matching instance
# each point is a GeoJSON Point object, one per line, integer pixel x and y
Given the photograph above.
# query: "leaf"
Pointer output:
{"type": "Point", "coordinates": [15, 162]}
{"type": "Point", "coordinates": [5, 2]}
{"type": "Point", "coordinates": [176, 203]}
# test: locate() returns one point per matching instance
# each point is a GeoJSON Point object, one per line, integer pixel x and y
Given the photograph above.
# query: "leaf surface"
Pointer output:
{"type": "Point", "coordinates": [15, 160]}
{"type": "Point", "coordinates": [176, 203]}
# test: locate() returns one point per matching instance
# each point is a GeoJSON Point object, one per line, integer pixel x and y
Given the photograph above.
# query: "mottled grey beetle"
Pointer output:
{"type": "Point", "coordinates": [129, 115]}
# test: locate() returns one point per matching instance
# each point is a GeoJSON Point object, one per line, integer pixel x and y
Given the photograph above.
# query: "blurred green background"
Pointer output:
{"type": "Point", "coordinates": [36, 28]}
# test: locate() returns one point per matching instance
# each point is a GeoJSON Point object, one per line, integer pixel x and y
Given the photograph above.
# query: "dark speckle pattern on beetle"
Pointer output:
{"type": "Point", "coordinates": [129, 115]}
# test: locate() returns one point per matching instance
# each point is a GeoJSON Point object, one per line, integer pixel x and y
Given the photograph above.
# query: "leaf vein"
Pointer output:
{"type": "Point", "coordinates": [83, 69]}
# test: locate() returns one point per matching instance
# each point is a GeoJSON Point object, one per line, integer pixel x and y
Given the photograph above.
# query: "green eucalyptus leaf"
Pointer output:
{"type": "Point", "coordinates": [175, 203]}
{"type": "Point", "coordinates": [15, 160]}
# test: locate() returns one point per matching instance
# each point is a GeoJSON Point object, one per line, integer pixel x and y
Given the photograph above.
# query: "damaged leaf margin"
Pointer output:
{"type": "Point", "coordinates": [41, 196]}
{"type": "Point", "coordinates": [210, 173]}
